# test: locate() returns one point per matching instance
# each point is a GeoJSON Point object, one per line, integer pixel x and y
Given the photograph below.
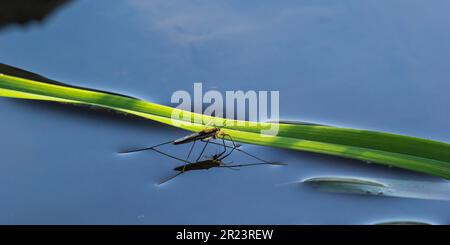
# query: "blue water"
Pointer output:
{"type": "Point", "coordinates": [379, 65]}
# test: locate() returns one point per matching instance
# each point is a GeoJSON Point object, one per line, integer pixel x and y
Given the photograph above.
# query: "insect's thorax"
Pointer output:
{"type": "Point", "coordinates": [209, 131]}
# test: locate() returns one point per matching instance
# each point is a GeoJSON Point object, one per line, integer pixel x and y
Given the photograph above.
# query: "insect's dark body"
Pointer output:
{"type": "Point", "coordinates": [204, 134]}
{"type": "Point", "coordinates": [201, 165]}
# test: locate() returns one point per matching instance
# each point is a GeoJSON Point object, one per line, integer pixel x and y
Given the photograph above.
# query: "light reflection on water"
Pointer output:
{"type": "Point", "coordinates": [354, 65]}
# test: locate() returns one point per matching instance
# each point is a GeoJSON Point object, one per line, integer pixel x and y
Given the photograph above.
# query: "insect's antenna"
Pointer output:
{"type": "Point", "coordinates": [170, 178]}
{"type": "Point", "coordinates": [145, 149]}
{"type": "Point", "coordinates": [174, 157]}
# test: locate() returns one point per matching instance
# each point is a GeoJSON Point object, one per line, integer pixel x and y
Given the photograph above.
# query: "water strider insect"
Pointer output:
{"type": "Point", "coordinates": [215, 161]}
{"type": "Point", "coordinates": [205, 135]}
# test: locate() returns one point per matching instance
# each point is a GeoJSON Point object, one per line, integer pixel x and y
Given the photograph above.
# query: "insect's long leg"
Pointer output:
{"type": "Point", "coordinates": [233, 148]}
{"type": "Point", "coordinates": [174, 157]}
{"type": "Point", "coordinates": [219, 156]}
{"type": "Point", "coordinates": [203, 150]}
{"type": "Point", "coordinates": [146, 148]}
{"type": "Point", "coordinates": [170, 178]}
{"type": "Point", "coordinates": [231, 168]}
{"type": "Point", "coordinates": [190, 151]}
{"type": "Point", "coordinates": [245, 152]}
{"type": "Point", "coordinates": [251, 164]}
{"type": "Point", "coordinates": [251, 155]}
{"type": "Point", "coordinates": [189, 154]}
{"type": "Point", "coordinates": [232, 141]}
{"type": "Point", "coordinates": [215, 143]}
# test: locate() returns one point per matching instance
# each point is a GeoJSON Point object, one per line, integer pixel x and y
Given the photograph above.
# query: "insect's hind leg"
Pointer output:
{"type": "Point", "coordinates": [170, 178]}
{"type": "Point", "coordinates": [146, 148]}
{"type": "Point", "coordinates": [236, 146]}
{"type": "Point", "coordinates": [230, 167]}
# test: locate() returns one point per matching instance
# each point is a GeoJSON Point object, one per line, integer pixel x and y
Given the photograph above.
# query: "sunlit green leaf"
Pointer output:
{"type": "Point", "coordinates": [411, 153]}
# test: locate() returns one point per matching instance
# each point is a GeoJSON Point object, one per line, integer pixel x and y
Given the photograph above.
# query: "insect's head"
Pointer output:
{"type": "Point", "coordinates": [220, 133]}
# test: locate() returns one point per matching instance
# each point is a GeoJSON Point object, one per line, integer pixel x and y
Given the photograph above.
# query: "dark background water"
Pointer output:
{"type": "Point", "coordinates": [380, 65]}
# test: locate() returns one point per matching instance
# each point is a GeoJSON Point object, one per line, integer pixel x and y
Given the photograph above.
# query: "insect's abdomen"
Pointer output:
{"type": "Point", "coordinates": [192, 137]}
{"type": "Point", "coordinates": [186, 139]}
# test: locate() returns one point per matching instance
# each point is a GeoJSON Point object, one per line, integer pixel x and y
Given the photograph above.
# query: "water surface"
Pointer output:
{"type": "Point", "coordinates": [379, 65]}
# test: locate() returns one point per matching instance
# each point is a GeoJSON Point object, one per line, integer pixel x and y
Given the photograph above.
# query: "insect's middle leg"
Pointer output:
{"type": "Point", "coordinates": [189, 154]}
{"type": "Point", "coordinates": [203, 150]}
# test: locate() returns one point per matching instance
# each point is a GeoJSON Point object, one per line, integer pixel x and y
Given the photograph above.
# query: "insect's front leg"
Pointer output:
{"type": "Point", "coordinates": [232, 148]}
{"type": "Point", "coordinates": [224, 148]}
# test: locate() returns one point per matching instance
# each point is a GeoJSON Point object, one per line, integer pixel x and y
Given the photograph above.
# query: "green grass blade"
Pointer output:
{"type": "Point", "coordinates": [406, 152]}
